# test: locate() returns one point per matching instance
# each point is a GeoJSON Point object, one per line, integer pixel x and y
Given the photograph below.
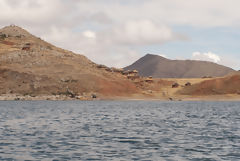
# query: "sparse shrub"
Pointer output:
{"type": "Point", "coordinates": [49, 47]}
{"type": "Point", "coordinates": [26, 94]}
{"type": "Point", "coordinates": [68, 93]}
{"type": "Point", "coordinates": [3, 36]}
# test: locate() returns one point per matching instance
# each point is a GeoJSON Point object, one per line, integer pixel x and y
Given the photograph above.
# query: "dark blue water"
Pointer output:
{"type": "Point", "coordinates": [122, 130]}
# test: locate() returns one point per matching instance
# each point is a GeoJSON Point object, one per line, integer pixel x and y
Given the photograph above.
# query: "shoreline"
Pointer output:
{"type": "Point", "coordinates": [179, 98]}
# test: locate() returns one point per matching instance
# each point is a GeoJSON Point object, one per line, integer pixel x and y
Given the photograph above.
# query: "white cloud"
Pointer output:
{"type": "Point", "coordinates": [116, 30]}
{"type": "Point", "coordinates": [141, 32]}
{"type": "Point", "coordinates": [163, 55]}
{"type": "Point", "coordinates": [198, 13]}
{"type": "Point", "coordinates": [29, 11]}
{"type": "Point", "coordinates": [209, 56]}
{"type": "Point", "coordinates": [212, 57]}
{"type": "Point", "coordinates": [89, 34]}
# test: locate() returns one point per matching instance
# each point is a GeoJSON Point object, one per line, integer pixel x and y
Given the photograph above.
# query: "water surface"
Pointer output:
{"type": "Point", "coordinates": [119, 130]}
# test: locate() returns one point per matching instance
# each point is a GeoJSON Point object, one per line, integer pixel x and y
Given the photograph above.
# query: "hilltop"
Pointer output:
{"type": "Point", "coordinates": [31, 66]}
{"type": "Point", "coordinates": [160, 67]}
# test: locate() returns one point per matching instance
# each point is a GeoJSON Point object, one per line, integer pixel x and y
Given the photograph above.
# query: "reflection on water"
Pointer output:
{"type": "Point", "coordinates": [121, 130]}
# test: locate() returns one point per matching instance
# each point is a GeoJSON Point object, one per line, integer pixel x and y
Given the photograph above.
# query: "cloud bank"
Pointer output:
{"type": "Point", "coordinates": [114, 32]}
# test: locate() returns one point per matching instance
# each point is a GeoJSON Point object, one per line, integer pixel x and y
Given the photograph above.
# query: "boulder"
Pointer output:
{"type": "Point", "coordinates": [175, 85]}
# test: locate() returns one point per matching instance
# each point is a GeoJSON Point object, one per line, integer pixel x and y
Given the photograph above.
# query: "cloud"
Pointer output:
{"type": "Point", "coordinates": [204, 13]}
{"type": "Point", "coordinates": [114, 32]}
{"type": "Point", "coordinates": [28, 11]}
{"type": "Point", "coordinates": [209, 56]}
{"type": "Point", "coordinates": [141, 32]}
{"type": "Point", "coordinates": [212, 57]}
{"type": "Point", "coordinates": [163, 55]}
{"type": "Point", "coordinates": [89, 34]}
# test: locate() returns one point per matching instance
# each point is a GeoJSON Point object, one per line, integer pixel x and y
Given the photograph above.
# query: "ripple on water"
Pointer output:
{"type": "Point", "coordinates": [120, 130]}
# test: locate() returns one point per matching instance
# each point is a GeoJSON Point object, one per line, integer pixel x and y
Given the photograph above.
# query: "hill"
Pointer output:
{"type": "Point", "coordinates": [218, 86]}
{"type": "Point", "coordinates": [160, 67]}
{"type": "Point", "coordinates": [31, 66]}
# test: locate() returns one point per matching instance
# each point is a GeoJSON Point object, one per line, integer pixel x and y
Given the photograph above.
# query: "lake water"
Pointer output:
{"type": "Point", "coordinates": [119, 130]}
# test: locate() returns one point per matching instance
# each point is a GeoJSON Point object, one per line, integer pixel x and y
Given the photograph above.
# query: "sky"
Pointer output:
{"type": "Point", "coordinates": [118, 32]}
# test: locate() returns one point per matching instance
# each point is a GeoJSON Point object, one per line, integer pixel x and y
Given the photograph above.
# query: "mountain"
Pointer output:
{"type": "Point", "coordinates": [160, 67]}
{"type": "Point", "coordinates": [31, 66]}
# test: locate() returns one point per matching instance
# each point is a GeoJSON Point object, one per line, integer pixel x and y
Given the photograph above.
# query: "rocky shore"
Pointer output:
{"type": "Point", "coordinates": [15, 97]}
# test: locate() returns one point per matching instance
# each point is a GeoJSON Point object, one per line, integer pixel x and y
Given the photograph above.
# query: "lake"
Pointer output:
{"type": "Point", "coordinates": [119, 130]}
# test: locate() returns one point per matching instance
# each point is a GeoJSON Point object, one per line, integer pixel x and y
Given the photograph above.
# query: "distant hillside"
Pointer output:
{"type": "Point", "coordinates": [160, 67]}
{"type": "Point", "coordinates": [219, 86]}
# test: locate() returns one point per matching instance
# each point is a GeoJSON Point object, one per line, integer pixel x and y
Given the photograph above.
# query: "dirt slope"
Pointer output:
{"type": "Point", "coordinates": [217, 86]}
{"type": "Point", "coordinates": [29, 65]}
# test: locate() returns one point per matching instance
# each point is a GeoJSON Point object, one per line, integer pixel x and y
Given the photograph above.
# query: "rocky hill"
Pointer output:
{"type": "Point", "coordinates": [160, 67]}
{"type": "Point", "coordinates": [31, 66]}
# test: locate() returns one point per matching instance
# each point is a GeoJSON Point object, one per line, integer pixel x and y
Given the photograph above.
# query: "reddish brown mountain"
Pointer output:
{"type": "Point", "coordinates": [31, 66]}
